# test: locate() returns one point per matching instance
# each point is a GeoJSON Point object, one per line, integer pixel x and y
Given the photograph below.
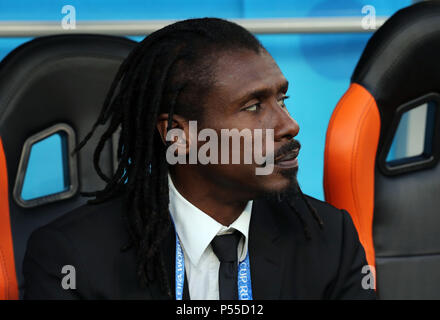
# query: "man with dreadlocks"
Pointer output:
{"type": "Point", "coordinates": [197, 231]}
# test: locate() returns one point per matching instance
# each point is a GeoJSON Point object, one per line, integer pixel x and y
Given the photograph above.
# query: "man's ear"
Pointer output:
{"type": "Point", "coordinates": [177, 122]}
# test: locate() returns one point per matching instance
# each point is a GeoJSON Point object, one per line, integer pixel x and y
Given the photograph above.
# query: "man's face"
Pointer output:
{"type": "Point", "coordinates": [248, 93]}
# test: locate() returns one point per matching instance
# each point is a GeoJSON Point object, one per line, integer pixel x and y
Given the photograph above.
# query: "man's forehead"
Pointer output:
{"type": "Point", "coordinates": [238, 73]}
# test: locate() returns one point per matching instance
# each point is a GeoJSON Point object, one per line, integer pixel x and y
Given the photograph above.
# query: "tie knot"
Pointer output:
{"type": "Point", "coordinates": [225, 246]}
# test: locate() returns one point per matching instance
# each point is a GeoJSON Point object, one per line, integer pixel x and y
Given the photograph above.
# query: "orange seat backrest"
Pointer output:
{"type": "Point", "coordinates": [8, 279]}
{"type": "Point", "coordinates": [349, 160]}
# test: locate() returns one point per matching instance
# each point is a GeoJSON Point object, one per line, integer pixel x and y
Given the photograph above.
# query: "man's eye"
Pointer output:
{"type": "Point", "coordinates": [253, 108]}
{"type": "Point", "coordinates": [281, 102]}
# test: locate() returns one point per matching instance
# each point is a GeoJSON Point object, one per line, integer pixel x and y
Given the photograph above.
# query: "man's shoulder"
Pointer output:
{"type": "Point", "coordinates": [304, 206]}
{"type": "Point", "coordinates": [90, 238]}
{"type": "Point", "coordinates": [335, 218]}
{"type": "Point", "coordinates": [294, 215]}
{"type": "Point", "coordinates": [325, 210]}
{"type": "Point", "coordinates": [321, 205]}
{"type": "Point", "coordinates": [90, 222]}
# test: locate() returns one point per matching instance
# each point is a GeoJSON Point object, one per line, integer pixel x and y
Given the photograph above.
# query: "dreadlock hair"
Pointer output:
{"type": "Point", "coordinates": [170, 71]}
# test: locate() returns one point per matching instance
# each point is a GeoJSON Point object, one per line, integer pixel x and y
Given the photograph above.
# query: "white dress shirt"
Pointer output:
{"type": "Point", "coordinates": [196, 230]}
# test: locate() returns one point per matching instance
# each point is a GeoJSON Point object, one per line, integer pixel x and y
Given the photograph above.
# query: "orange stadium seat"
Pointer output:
{"type": "Point", "coordinates": [393, 199]}
{"type": "Point", "coordinates": [50, 85]}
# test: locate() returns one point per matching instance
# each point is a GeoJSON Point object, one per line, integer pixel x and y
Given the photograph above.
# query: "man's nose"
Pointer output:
{"type": "Point", "coordinates": [286, 127]}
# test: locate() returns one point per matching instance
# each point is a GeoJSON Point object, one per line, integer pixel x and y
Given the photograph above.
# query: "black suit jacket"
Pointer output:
{"type": "Point", "coordinates": [284, 264]}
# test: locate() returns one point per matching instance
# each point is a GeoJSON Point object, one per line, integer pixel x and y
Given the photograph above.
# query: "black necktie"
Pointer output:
{"type": "Point", "coordinates": [225, 248]}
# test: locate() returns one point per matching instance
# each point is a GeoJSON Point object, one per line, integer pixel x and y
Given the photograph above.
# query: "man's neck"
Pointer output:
{"type": "Point", "coordinates": [218, 203]}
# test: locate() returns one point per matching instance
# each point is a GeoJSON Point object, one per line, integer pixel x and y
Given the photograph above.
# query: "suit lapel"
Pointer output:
{"type": "Point", "coordinates": [265, 251]}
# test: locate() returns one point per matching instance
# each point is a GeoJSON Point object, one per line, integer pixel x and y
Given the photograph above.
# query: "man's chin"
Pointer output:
{"type": "Point", "coordinates": [285, 186]}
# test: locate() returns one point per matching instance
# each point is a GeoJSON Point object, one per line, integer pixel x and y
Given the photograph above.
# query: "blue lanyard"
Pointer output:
{"type": "Point", "coordinates": [244, 275]}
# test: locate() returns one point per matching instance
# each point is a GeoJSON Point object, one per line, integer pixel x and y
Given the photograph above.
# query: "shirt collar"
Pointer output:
{"type": "Point", "coordinates": [196, 229]}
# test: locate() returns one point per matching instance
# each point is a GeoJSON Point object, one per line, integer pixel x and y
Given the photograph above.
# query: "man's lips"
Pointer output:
{"type": "Point", "coordinates": [288, 160]}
